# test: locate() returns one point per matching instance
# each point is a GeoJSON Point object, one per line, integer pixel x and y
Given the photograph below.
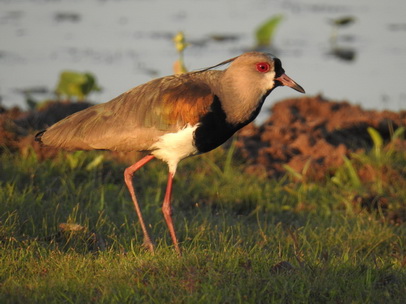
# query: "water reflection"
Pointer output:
{"type": "Point", "coordinates": [330, 47]}
{"type": "Point", "coordinates": [346, 53]}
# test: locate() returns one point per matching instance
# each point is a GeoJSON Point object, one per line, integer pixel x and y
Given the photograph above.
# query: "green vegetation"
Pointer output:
{"type": "Point", "coordinates": [265, 33]}
{"type": "Point", "coordinates": [179, 40]}
{"type": "Point", "coordinates": [76, 85]}
{"type": "Point", "coordinates": [342, 52]}
{"type": "Point", "coordinates": [69, 234]}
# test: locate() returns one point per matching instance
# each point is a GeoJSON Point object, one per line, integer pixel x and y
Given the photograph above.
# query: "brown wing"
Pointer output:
{"type": "Point", "coordinates": [136, 119]}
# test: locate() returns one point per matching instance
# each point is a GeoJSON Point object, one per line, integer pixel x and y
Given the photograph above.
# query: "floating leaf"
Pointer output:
{"type": "Point", "coordinates": [224, 37]}
{"type": "Point", "coordinates": [90, 84]}
{"type": "Point", "coordinates": [266, 31]}
{"type": "Point", "coordinates": [347, 20]}
{"type": "Point", "coordinates": [76, 84]}
{"type": "Point", "coordinates": [31, 102]}
{"type": "Point", "coordinates": [347, 54]}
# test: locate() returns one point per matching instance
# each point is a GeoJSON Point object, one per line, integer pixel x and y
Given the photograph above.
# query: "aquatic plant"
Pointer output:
{"type": "Point", "coordinates": [76, 85]}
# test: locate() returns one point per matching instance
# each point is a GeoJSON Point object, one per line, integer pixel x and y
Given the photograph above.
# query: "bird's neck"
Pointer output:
{"type": "Point", "coordinates": [241, 106]}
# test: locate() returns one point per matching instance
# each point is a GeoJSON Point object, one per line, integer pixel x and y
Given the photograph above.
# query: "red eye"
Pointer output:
{"type": "Point", "coordinates": [263, 67]}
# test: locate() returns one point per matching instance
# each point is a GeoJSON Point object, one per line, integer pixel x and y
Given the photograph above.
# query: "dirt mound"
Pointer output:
{"type": "Point", "coordinates": [17, 127]}
{"type": "Point", "coordinates": [312, 133]}
{"type": "Point", "coordinates": [308, 132]}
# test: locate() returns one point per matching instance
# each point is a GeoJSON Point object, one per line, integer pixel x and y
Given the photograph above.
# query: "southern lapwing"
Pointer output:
{"type": "Point", "coordinates": [174, 117]}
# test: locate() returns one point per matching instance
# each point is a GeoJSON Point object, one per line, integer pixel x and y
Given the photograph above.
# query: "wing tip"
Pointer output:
{"type": "Point", "coordinates": [38, 136]}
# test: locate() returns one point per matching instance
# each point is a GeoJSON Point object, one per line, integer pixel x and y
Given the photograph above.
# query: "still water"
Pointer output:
{"type": "Point", "coordinates": [125, 43]}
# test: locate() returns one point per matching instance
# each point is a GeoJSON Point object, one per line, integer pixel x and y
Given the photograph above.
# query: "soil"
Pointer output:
{"type": "Point", "coordinates": [310, 134]}
{"type": "Point", "coordinates": [17, 127]}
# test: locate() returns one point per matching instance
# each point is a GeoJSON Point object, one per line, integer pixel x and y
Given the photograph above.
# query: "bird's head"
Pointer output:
{"type": "Point", "coordinates": [248, 80]}
{"type": "Point", "coordinates": [260, 71]}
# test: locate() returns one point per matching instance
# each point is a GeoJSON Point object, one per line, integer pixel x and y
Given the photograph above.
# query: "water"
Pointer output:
{"type": "Point", "coordinates": [125, 43]}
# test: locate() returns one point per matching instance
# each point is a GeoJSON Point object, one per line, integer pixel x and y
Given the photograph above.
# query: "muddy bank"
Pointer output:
{"type": "Point", "coordinates": [312, 132]}
{"type": "Point", "coordinates": [308, 132]}
{"type": "Point", "coordinates": [310, 135]}
{"type": "Point", "coordinates": [17, 127]}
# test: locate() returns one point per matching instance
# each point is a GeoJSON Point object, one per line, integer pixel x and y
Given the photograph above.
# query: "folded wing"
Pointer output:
{"type": "Point", "coordinates": [136, 119]}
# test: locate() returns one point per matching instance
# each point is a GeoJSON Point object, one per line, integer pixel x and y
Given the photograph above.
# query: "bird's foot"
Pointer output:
{"type": "Point", "coordinates": [149, 245]}
{"type": "Point", "coordinates": [178, 250]}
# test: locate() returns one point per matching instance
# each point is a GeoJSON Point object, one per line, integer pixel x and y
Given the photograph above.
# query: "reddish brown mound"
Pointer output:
{"type": "Point", "coordinates": [313, 131]}
{"type": "Point", "coordinates": [17, 128]}
{"type": "Point", "coordinates": [308, 130]}
{"type": "Point", "coordinates": [10, 133]}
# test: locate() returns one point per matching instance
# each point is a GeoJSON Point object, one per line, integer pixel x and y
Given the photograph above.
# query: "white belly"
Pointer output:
{"type": "Point", "coordinates": [173, 147]}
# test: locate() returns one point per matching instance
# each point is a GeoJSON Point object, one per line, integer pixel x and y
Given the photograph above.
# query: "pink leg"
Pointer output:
{"type": "Point", "coordinates": [128, 175]}
{"type": "Point", "coordinates": [167, 211]}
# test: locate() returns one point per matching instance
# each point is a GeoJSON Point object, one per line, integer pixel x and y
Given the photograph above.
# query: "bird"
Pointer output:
{"type": "Point", "coordinates": [174, 117]}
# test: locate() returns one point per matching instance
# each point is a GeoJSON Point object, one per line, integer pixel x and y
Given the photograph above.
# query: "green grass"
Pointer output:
{"type": "Point", "coordinates": [245, 239]}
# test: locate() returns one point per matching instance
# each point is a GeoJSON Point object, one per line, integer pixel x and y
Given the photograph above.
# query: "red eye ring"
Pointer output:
{"type": "Point", "coordinates": [263, 67]}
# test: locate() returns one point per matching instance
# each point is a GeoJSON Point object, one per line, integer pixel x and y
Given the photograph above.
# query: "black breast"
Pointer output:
{"type": "Point", "coordinates": [213, 128]}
